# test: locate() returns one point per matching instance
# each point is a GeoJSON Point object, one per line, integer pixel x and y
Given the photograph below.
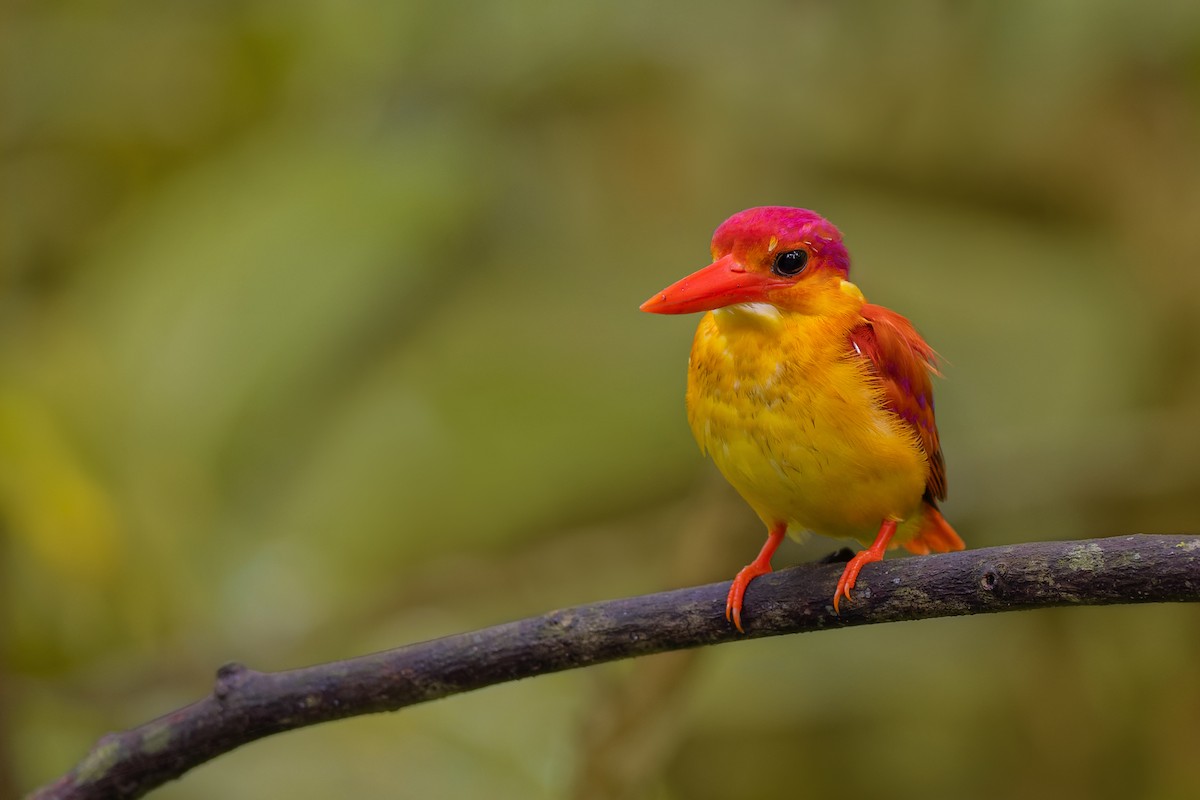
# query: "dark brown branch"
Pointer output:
{"type": "Point", "coordinates": [246, 705]}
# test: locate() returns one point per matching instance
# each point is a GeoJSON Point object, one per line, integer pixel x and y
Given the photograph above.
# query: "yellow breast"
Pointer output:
{"type": "Point", "coordinates": [796, 423]}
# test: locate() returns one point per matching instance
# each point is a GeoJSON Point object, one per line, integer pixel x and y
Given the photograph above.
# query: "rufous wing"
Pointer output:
{"type": "Point", "coordinates": [904, 363]}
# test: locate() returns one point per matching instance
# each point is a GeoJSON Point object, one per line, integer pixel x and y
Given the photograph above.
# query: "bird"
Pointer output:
{"type": "Point", "coordinates": [816, 405]}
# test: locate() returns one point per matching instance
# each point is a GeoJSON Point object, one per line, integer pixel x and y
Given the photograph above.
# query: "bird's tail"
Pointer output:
{"type": "Point", "coordinates": [935, 535]}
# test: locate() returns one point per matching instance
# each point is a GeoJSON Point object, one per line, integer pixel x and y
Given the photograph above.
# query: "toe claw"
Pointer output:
{"type": "Point", "coordinates": [733, 603]}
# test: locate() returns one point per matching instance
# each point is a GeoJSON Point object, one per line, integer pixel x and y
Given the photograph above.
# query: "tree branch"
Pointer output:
{"type": "Point", "coordinates": [246, 705]}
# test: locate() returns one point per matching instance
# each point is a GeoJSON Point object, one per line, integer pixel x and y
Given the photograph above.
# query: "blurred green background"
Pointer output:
{"type": "Point", "coordinates": [319, 335]}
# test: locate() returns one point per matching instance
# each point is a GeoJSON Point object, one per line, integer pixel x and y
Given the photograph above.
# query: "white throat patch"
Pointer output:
{"type": "Point", "coordinates": [765, 310]}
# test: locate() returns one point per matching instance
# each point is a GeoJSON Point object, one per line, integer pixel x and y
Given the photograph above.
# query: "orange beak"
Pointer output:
{"type": "Point", "coordinates": [725, 282]}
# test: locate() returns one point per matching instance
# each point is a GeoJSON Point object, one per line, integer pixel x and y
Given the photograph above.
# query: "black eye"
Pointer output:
{"type": "Point", "coordinates": [789, 263]}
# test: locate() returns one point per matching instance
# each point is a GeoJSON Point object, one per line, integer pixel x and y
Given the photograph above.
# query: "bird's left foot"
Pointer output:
{"type": "Point", "coordinates": [757, 567]}
{"type": "Point", "coordinates": [873, 553]}
{"type": "Point", "coordinates": [737, 591]}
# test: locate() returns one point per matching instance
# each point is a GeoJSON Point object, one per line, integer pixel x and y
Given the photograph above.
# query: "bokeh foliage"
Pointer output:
{"type": "Point", "coordinates": [318, 334]}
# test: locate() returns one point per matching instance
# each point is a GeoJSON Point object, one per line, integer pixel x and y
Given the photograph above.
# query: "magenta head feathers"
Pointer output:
{"type": "Point", "coordinates": [789, 228]}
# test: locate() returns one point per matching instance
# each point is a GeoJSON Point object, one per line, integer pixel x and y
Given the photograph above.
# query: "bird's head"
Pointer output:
{"type": "Point", "coordinates": [791, 258]}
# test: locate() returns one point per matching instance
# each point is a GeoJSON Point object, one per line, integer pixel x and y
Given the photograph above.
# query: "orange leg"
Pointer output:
{"type": "Point", "coordinates": [873, 553]}
{"type": "Point", "coordinates": [759, 566]}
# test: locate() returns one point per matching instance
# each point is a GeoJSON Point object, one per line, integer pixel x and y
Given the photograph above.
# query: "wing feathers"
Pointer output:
{"type": "Point", "coordinates": [904, 362]}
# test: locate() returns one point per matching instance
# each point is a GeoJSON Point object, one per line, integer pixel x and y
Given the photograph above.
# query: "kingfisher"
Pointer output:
{"type": "Point", "coordinates": [816, 405]}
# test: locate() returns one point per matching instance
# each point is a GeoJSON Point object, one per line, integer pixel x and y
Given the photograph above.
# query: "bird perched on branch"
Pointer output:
{"type": "Point", "coordinates": [816, 405]}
